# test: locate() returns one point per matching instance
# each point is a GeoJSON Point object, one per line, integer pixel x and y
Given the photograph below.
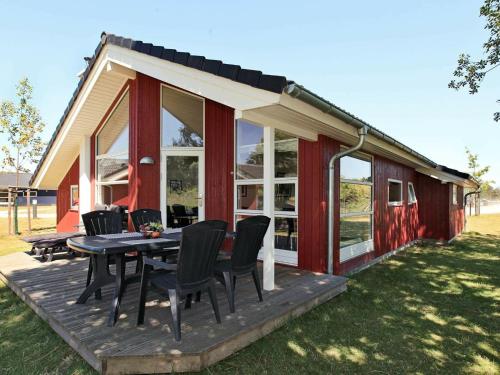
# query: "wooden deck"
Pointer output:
{"type": "Point", "coordinates": [51, 289]}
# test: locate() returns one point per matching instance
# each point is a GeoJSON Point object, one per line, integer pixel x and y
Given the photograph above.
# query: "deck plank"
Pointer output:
{"type": "Point", "coordinates": [51, 290]}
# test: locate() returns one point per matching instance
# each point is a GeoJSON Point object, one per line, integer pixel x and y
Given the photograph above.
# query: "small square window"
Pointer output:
{"type": "Point", "coordinates": [74, 197]}
{"type": "Point", "coordinates": [395, 192]}
{"type": "Point", "coordinates": [412, 198]}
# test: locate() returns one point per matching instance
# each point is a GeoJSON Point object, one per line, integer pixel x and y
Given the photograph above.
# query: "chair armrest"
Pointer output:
{"type": "Point", "coordinates": [159, 264]}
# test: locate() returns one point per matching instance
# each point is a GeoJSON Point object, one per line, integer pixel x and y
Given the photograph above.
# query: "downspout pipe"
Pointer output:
{"type": "Point", "coordinates": [362, 132]}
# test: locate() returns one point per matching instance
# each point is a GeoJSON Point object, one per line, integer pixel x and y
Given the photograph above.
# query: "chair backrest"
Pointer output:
{"type": "Point", "coordinates": [200, 244]}
{"type": "Point", "coordinates": [144, 216]}
{"type": "Point", "coordinates": [179, 210]}
{"type": "Point", "coordinates": [102, 222]}
{"type": "Point", "coordinates": [250, 234]}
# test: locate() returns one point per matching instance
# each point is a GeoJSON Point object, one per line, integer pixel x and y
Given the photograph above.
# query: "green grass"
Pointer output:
{"type": "Point", "coordinates": [427, 310]}
{"type": "Point", "coordinates": [10, 244]}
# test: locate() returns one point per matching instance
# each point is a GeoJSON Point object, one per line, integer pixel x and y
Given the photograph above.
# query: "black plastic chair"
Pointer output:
{"type": "Point", "coordinates": [149, 215]}
{"type": "Point", "coordinates": [170, 218]}
{"type": "Point", "coordinates": [249, 237]}
{"type": "Point", "coordinates": [144, 216]}
{"type": "Point", "coordinates": [105, 222]}
{"type": "Point", "coordinates": [181, 215]}
{"type": "Point", "coordinates": [193, 273]}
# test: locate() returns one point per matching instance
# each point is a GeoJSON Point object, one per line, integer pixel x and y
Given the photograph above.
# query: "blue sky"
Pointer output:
{"type": "Point", "coordinates": [388, 62]}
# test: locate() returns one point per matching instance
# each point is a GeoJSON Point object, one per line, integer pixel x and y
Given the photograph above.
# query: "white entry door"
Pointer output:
{"type": "Point", "coordinates": [182, 188]}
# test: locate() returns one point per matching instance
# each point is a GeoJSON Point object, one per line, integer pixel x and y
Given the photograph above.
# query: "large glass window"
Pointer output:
{"type": "Point", "coordinates": [249, 184]}
{"type": "Point", "coordinates": [356, 203]}
{"type": "Point", "coordinates": [112, 156]}
{"type": "Point", "coordinates": [182, 119]}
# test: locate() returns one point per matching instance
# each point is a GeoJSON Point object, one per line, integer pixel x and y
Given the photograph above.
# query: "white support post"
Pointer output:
{"type": "Point", "coordinates": [84, 181]}
{"type": "Point", "coordinates": [268, 258]}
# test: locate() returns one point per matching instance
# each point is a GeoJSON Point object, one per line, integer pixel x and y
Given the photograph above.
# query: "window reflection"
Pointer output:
{"type": "Point", "coordinates": [285, 155]}
{"type": "Point", "coordinates": [355, 198]}
{"type": "Point", "coordinates": [352, 168]}
{"type": "Point", "coordinates": [182, 119]}
{"type": "Point", "coordinates": [284, 197]}
{"type": "Point", "coordinates": [354, 230]}
{"type": "Point", "coordinates": [285, 233]}
{"type": "Point", "coordinates": [250, 197]}
{"type": "Point", "coordinates": [249, 151]}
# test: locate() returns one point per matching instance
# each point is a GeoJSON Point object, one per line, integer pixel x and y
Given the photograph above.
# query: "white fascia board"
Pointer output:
{"type": "Point", "coordinates": [264, 120]}
{"type": "Point", "coordinates": [70, 119]}
{"type": "Point", "coordinates": [222, 90]}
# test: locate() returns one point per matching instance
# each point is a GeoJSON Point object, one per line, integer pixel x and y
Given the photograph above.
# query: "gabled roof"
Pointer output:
{"type": "Point", "coordinates": [273, 83]}
{"type": "Point", "coordinates": [254, 78]}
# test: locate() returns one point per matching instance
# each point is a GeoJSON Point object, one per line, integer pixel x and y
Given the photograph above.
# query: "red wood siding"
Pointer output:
{"type": "Point", "coordinates": [144, 140]}
{"type": "Point", "coordinates": [219, 162]}
{"type": "Point", "coordinates": [434, 201]}
{"type": "Point", "coordinates": [66, 218]}
{"type": "Point", "coordinates": [313, 203]}
{"type": "Point", "coordinates": [394, 226]}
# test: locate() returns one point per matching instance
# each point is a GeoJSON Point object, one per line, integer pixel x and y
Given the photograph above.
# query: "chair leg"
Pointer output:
{"type": "Point", "coordinates": [228, 282]}
{"type": "Point", "coordinates": [256, 280]}
{"type": "Point", "coordinates": [213, 300]}
{"type": "Point", "coordinates": [198, 296]}
{"type": "Point", "coordinates": [89, 272]}
{"type": "Point", "coordinates": [143, 293]}
{"type": "Point", "coordinates": [93, 261]}
{"type": "Point", "coordinates": [189, 299]}
{"type": "Point", "coordinates": [138, 266]}
{"type": "Point", "coordinates": [176, 312]}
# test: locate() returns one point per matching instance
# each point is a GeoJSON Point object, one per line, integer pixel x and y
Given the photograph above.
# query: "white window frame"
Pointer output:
{"type": "Point", "coordinates": [455, 195]}
{"type": "Point", "coordinates": [400, 201]}
{"type": "Point", "coordinates": [71, 188]}
{"type": "Point", "coordinates": [353, 251]}
{"type": "Point", "coordinates": [410, 199]}
{"type": "Point", "coordinates": [98, 185]}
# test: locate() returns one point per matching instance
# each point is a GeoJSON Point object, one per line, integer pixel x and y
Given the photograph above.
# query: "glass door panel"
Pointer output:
{"type": "Point", "coordinates": [183, 189]}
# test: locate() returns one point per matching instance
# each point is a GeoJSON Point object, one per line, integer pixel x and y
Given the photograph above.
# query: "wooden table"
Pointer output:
{"type": "Point", "coordinates": [116, 245]}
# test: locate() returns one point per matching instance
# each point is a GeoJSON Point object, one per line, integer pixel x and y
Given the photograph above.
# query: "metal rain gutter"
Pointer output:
{"type": "Point", "coordinates": [303, 94]}
{"type": "Point", "coordinates": [331, 192]}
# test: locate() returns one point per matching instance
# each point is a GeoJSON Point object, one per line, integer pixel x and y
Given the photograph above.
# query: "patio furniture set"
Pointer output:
{"type": "Point", "coordinates": [178, 264]}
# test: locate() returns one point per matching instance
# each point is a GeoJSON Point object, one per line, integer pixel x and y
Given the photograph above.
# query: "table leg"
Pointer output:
{"type": "Point", "coordinates": [101, 277]}
{"type": "Point", "coordinates": [119, 289]}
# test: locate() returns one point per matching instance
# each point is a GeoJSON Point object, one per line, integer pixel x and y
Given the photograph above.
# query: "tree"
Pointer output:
{"type": "Point", "coordinates": [22, 124]}
{"type": "Point", "coordinates": [477, 171]}
{"type": "Point", "coordinates": [471, 73]}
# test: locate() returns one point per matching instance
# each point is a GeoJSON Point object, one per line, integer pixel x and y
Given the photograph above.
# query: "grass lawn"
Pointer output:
{"type": "Point", "coordinates": [9, 244]}
{"type": "Point", "coordinates": [426, 310]}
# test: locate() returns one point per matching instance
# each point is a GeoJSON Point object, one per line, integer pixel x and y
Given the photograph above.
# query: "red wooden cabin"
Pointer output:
{"type": "Point", "coordinates": [150, 127]}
